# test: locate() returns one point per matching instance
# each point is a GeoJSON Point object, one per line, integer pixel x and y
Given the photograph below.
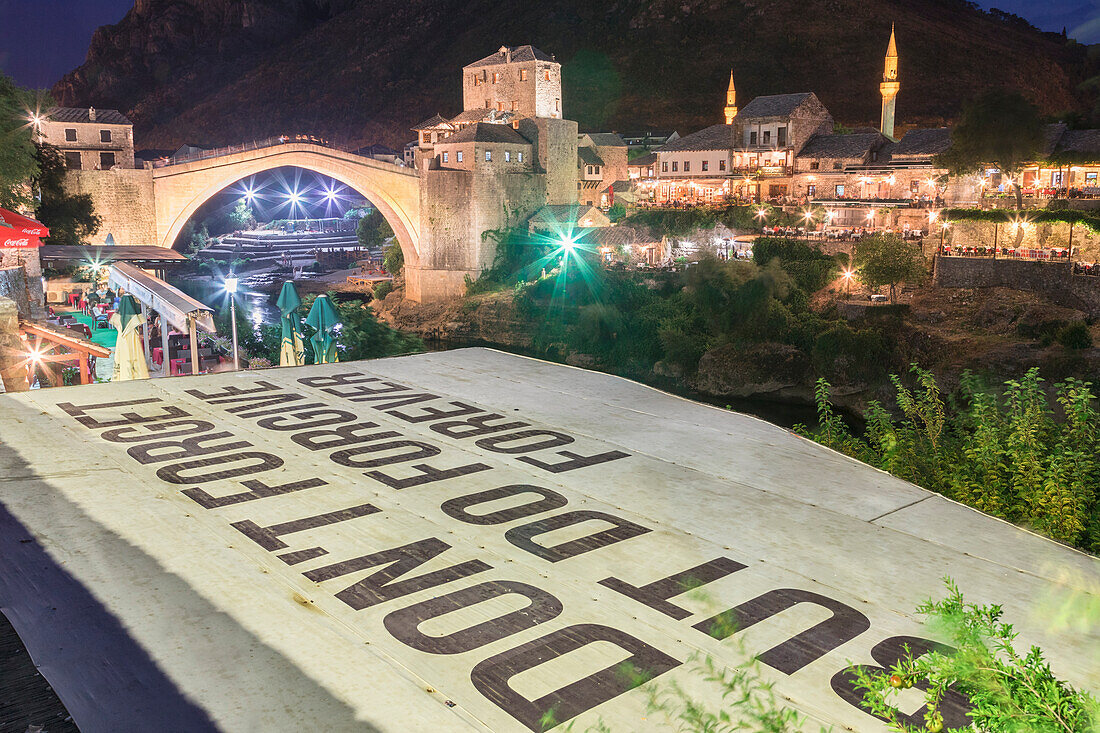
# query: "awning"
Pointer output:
{"type": "Point", "coordinates": [173, 305]}
{"type": "Point", "coordinates": [104, 255]}
{"type": "Point", "coordinates": [17, 230]}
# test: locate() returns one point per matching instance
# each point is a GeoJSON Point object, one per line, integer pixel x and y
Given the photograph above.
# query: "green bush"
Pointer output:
{"type": "Point", "coordinates": [1075, 336]}
{"type": "Point", "coordinates": [393, 260]}
{"type": "Point", "coordinates": [811, 268]}
{"type": "Point", "coordinates": [382, 289]}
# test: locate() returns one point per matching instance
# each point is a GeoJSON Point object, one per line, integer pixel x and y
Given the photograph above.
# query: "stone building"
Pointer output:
{"type": "Point", "coordinates": [90, 139]}
{"type": "Point", "coordinates": [508, 154]}
{"type": "Point", "coordinates": [601, 163]}
{"type": "Point", "coordinates": [696, 167]}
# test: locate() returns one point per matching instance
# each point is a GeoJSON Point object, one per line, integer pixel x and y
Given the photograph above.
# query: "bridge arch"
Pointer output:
{"type": "Point", "coordinates": [180, 189]}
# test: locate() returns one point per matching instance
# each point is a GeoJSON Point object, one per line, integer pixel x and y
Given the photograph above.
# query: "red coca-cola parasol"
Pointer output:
{"type": "Point", "coordinates": [17, 230]}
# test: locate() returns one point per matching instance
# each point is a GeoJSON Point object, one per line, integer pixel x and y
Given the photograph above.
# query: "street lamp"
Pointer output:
{"type": "Point", "coordinates": [848, 284]}
{"type": "Point", "coordinates": [231, 288]}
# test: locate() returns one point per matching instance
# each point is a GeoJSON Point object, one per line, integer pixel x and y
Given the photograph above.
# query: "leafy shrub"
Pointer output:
{"type": "Point", "coordinates": [393, 260]}
{"type": "Point", "coordinates": [811, 268]}
{"type": "Point", "coordinates": [382, 289]}
{"type": "Point", "coordinates": [1075, 336]}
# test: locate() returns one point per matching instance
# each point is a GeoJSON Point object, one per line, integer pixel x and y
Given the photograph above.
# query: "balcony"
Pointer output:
{"type": "Point", "coordinates": [763, 171]}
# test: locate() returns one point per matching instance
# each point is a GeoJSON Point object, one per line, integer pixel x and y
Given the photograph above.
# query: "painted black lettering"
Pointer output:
{"type": "Point", "coordinates": [76, 410]}
{"type": "Point", "coordinates": [259, 462]}
{"type": "Point", "coordinates": [404, 624]}
{"type": "Point", "coordinates": [268, 537]}
{"type": "Point", "coordinates": [656, 594]}
{"type": "Point", "coordinates": [134, 434]}
{"type": "Point", "coordinates": [458, 508]}
{"type": "Point", "coordinates": [301, 419]}
{"type": "Point", "coordinates": [554, 439]}
{"type": "Point", "coordinates": [426, 474]}
{"type": "Point", "coordinates": [382, 585]}
{"type": "Point", "coordinates": [575, 460]}
{"type": "Point", "coordinates": [491, 676]}
{"type": "Point", "coordinates": [159, 451]}
{"type": "Point", "coordinates": [133, 418]}
{"type": "Point", "coordinates": [341, 436]}
{"type": "Point", "coordinates": [273, 405]}
{"type": "Point", "coordinates": [622, 530]}
{"type": "Point", "coordinates": [332, 380]}
{"type": "Point", "coordinates": [348, 456]}
{"type": "Point", "coordinates": [231, 392]}
{"type": "Point", "coordinates": [257, 490]}
{"type": "Point", "coordinates": [954, 705]}
{"type": "Point", "coordinates": [429, 414]}
{"type": "Point", "coordinates": [475, 426]}
{"type": "Point", "coordinates": [795, 653]}
{"type": "Point", "coordinates": [357, 392]}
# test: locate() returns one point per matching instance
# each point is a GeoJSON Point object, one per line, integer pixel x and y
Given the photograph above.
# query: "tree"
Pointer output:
{"type": "Point", "coordinates": [394, 259]}
{"type": "Point", "coordinates": [241, 216]}
{"type": "Point", "coordinates": [71, 218]}
{"type": "Point", "coordinates": [617, 212]}
{"type": "Point", "coordinates": [884, 259]}
{"type": "Point", "coordinates": [18, 162]}
{"type": "Point", "coordinates": [373, 230]}
{"type": "Point", "coordinates": [1000, 128]}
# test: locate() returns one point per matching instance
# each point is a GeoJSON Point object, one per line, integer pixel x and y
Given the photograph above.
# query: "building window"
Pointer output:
{"type": "Point", "coordinates": [507, 156]}
{"type": "Point", "coordinates": [706, 165]}
{"type": "Point", "coordinates": [722, 165]}
{"type": "Point", "coordinates": [523, 74]}
{"type": "Point", "coordinates": [70, 135]}
{"type": "Point", "coordinates": [105, 136]}
{"type": "Point", "coordinates": [814, 165]}
{"type": "Point", "coordinates": [838, 166]}
{"type": "Point", "coordinates": [500, 106]}
{"type": "Point", "coordinates": [458, 156]}
{"type": "Point", "coordinates": [767, 136]}
{"type": "Point", "coordinates": [675, 166]}
{"type": "Point", "coordinates": [488, 155]}
{"type": "Point", "coordinates": [840, 190]}
{"type": "Point", "coordinates": [477, 81]}
{"type": "Point", "coordinates": [496, 76]}
{"type": "Point", "coordinates": [546, 74]}
{"type": "Point", "coordinates": [515, 105]}
{"type": "Point", "coordinates": [1090, 179]}
{"type": "Point", "coordinates": [106, 161]}
{"type": "Point", "coordinates": [72, 160]}
{"type": "Point", "coordinates": [781, 136]}
{"type": "Point", "coordinates": [445, 157]}
{"type": "Point", "coordinates": [597, 169]}
{"type": "Point", "coordinates": [557, 105]}
{"type": "Point", "coordinates": [664, 167]}
{"type": "Point", "coordinates": [752, 138]}
{"type": "Point", "coordinates": [914, 186]}
{"type": "Point", "coordinates": [687, 166]}
{"type": "Point", "coordinates": [520, 157]}
{"type": "Point", "coordinates": [811, 190]}
{"type": "Point", "coordinates": [588, 170]}
{"type": "Point", "coordinates": [488, 104]}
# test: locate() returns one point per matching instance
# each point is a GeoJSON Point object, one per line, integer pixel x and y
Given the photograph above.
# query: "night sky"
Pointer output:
{"type": "Point", "coordinates": [41, 40]}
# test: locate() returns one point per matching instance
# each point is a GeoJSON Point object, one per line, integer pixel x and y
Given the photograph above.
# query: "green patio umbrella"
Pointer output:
{"type": "Point", "coordinates": [292, 352]}
{"type": "Point", "coordinates": [322, 317]}
{"type": "Point", "coordinates": [129, 354]}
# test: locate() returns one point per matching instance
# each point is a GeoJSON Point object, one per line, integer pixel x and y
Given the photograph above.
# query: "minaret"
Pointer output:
{"type": "Point", "coordinates": [731, 101]}
{"type": "Point", "coordinates": [889, 87]}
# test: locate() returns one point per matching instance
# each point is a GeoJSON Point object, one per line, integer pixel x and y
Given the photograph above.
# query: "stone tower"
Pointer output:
{"type": "Point", "coordinates": [889, 88]}
{"type": "Point", "coordinates": [731, 101]}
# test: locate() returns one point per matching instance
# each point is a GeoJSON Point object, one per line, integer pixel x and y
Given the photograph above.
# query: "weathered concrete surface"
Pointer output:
{"type": "Point", "coordinates": [245, 634]}
{"type": "Point", "coordinates": [1054, 281]}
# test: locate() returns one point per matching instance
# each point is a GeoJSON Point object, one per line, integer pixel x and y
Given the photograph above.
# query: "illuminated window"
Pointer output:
{"type": "Point", "coordinates": [840, 190]}
{"type": "Point", "coordinates": [546, 75]}
{"type": "Point", "coordinates": [706, 165]}
{"type": "Point", "coordinates": [500, 106]}
{"type": "Point", "coordinates": [675, 166]}
{"type": "Point", "coordinates": [496, 76]}
{"type": "Point", "coordinates": [814, 165]}
{"type": "Point", "coordinates": [687, 166]}
{"type": "Point", "coordinates": [445, 157]}
{"type": "Point", "coordinates": [520, 157]}
{"type": "Point", "coordinates": [523, 74]}
{"type": "Point", "coordinates": [458, 156]}
{"type": "Point", "coordinates": [722, 165]}
{"type": "Point", "coordinates": [507, 156]}
{"type": "Point", "coordinates": [664, 167]}
{"type": "Point", "coordinates": [515, 105]}
{"type": "Point", "coordinates": [557, 105]}
{"type": "Point", "coordinates": [488, 104]}
{"type": "Point", "coordinates": [811, 190]}
{"type": "Point", "coordinates": [488, 155]}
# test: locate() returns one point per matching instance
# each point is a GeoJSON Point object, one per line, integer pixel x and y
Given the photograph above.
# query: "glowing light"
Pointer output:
{"type": "Point", "coordinates": [870, 216]}
{"type": "Point", "coordinates": [848, 274]}
{"type": "Point", "coordinates": [932, 216]}
{"type": "Point", "coordinates": [231, 283]}
{"type": "Point", "coordinates": [761, 213]}
{"type": "Point", "coordinates": [931, 182]}
{"type": "Point", "coordinates": [808, 215]}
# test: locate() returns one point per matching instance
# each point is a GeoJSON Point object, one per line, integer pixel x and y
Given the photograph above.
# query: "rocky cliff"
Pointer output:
{"type": "Point", "coordinates": [221, 71]}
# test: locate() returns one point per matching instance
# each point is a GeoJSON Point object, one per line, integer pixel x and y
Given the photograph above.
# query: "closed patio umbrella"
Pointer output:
{"type": "Point", "coordinates": [129, 354]}
{"type": "Point", "coordinates": [322, 317]}
{"type": "Point", "coordinates": [292, 352]}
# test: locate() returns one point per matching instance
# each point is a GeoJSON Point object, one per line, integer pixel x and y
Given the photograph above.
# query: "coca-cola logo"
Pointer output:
{"type": "Point", "coordinates": [24, 242]}
{"type": "Point", "coordinates": [29, 231]}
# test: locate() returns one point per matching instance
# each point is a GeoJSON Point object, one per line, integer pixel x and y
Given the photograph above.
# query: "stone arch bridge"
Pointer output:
{"type": "Point", "coordinates": [180, 187]}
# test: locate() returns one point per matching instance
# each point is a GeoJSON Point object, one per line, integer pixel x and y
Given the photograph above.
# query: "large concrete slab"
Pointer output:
{"type": "Point", "coordinates": [388, 592]}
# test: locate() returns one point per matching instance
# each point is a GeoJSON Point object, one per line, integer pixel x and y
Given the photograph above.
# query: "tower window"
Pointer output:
{"type": "Point", "coordinates": [507, 156]}
{"type": "Point", "coordinates": [520, 157]}
{"type": "Point", "coordinates": [500, 106]}
{"type": "Point", "coordinates": [523, 74]}
{"type": "Point", "coordinates": [488, 155]}
{"type": "Point", "coordinates": [488, 104]}
{"type": "Point", "coordinates": [458, 156]}
{"type": "Point", "coordinates": [546, 75]}
{"type": "Point", "coordinates": [496, 76]}
{"type": "Point", "coordinates": [515, 105]}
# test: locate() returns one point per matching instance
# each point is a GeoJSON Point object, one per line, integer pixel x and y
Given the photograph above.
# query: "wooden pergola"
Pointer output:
{"type": "Point", "coordinates": [44, 350]}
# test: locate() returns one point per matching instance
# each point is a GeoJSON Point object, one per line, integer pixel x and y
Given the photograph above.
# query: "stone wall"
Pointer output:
{"type": "Point", "coordinates": [1086, 243]}
{"type": "Point", "coordinates": [123, 199]}
{"type": "Point", "coordinates": [13, 285]}
{"type": "Point", "coordinates": [556, 147]}
{"type": "Point", "coordinates": [27, 280]}
{"type": "Point", "coordinates": [12, 379]}
{"type": "Point", "coordinates": [1052, 280]}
